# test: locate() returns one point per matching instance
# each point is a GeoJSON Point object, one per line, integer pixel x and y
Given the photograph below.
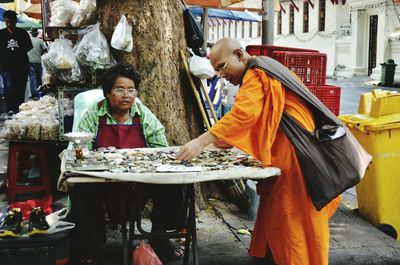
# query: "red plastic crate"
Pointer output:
{"type": "Point", "coordinates": [329, 96]}
{"type": "Point", "coordinates": [267, 50]}
{"type": "Point", "coordinates": [309, 66]}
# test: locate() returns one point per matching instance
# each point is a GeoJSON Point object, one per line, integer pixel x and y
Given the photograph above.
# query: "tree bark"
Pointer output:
{"type": "Point", "coordinates": [158, 36]}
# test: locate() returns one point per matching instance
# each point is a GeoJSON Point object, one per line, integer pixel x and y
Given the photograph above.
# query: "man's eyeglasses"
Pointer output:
{"type": "Point", "coordinates": [125, 92]}
{"type": "Point", "coordinates": [222, 70]}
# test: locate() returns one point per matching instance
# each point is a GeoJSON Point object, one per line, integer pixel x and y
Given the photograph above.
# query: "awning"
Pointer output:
{"type": "Point", "coordinates": [249, 5]}
{"type": "Point", "coordinates": [34, 11]}
{"type": "Point", "coordinates": [28, 25]}
{"type": "Point", "coordinates": [226, 14]}
{"type": "Point", "coordinates": [212, 3]}
{"type": "Point", "coordinates": [2, 19]}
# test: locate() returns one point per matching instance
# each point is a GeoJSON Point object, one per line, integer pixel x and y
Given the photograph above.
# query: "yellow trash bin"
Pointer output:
{"type": "Point", "coordinates": [378, 193]}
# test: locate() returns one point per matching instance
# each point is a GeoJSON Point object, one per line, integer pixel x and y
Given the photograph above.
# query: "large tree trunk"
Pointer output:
{"type": "Point", "coordinates": [158, 36]}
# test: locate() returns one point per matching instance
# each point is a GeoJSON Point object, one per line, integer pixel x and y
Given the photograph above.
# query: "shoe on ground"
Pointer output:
{"type": "Point", "coordinates": [11, 225]}
{"type": "Point", "coordinates": [37, 222]}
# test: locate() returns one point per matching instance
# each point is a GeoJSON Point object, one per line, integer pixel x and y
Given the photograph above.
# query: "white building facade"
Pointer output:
{"type": "Point", "coordinates": [357, 35]}
{"type": "Point", "coordinates": [244, 31]}
{"type": "Point", "coordinates": [365, 15]}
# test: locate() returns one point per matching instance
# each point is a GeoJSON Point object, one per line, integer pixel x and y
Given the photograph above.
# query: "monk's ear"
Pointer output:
{"type": "Point", "coordinates": [239, 53]}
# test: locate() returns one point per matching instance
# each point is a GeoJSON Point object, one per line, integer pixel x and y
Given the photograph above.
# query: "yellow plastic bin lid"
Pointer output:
{"type": "Point", "coordinates": [378, 110]}
{"type": "Point", "coordinates": [365, 122]}
{"type": "Point", "coordinates": [379, 102]}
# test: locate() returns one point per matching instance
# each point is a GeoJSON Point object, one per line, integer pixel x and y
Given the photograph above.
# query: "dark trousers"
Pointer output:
{"type": "Point", "coordinates": [35, 77]}
{"type": "Point", "coordinates": [89, 201]}
{"type": "Point", "coordinates": [14, 89]}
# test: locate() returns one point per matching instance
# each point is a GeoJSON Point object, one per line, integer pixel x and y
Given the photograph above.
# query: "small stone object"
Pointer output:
{"type": "Point", "coordinates": [78, 150]}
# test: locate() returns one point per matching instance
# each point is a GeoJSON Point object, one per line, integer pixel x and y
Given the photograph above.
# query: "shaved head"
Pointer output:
{"type": "Point", "coordinates": [229, 60]}
{"type": "Point", "coordinates": [222, 49]}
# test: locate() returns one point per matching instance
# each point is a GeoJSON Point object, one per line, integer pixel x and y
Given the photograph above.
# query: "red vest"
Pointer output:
{"type": "Point", "coordinates": [119, 135]}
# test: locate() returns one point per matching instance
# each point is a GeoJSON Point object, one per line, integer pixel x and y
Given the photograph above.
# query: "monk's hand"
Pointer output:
{"type": "Point", "coordinates": [190, 150]}
{"type": "Point", "coordinates": [222, 144]}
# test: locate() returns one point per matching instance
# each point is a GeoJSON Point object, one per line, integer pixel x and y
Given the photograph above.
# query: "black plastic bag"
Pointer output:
{"type": "Point", "coordinates": [193, 32]}
{"type": "Point", "coordinates": [330, 158]}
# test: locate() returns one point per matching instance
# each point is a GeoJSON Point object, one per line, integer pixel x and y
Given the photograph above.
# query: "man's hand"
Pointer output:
{"type": "Point", "coordinates": [190, 150]}
{"type": "Point", "coordinates": [222, 144]}
{"type": "Point", "coordinates": [194, 147]}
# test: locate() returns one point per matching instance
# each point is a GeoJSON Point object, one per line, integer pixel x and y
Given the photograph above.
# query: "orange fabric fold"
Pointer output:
{"type": "Point", "coordinates": [288, 225]}
{"type": "Point", "coordinates": [252, 123]}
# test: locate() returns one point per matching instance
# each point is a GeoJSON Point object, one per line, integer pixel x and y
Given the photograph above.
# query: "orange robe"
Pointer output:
{"type": "Point", "coordinates": [288, 226]}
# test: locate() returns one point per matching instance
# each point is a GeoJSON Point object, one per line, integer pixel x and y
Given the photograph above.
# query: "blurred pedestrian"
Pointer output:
{"type": "Point", "coordinates": [35, 61]}
{"type": "Point", "coordinates": [14, 63]}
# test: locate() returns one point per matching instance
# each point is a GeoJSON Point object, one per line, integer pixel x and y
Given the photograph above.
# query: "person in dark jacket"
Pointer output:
{"type": "Point", "coordinates": [14, 63]}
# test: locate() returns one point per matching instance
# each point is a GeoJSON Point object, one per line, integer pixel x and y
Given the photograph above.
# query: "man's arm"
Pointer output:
{"type": "Point", "coordinates": [27, 42]}
{"type": "Point", "coordinates": [43, 46]}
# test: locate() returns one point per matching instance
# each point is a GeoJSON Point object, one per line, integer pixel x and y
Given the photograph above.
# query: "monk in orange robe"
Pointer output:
{"type": "Point", "coordinates": [288, 226]}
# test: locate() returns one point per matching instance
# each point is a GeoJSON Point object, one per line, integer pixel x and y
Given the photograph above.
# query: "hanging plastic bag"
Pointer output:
{"type": "Point", "coordinates": [92, 50]}
{"type": "Point", "coordinates": [200, 66]}
{"type": "Point", "coordinates": [145, 255]}
{"type": "Point", "coordinates": [86, 14]}
{"type": "Point", "coordinates": [74, 75]}
{"type": "Point", "coordinates": [59, 56]}
{"type": "Point", "coordinates": [62, 12]}
{"type": "Point", "coordinates": [193, 31]}
{"type": "Point", "coordinates": [60, 61]}
{"type": "Point", "coordinates": [122, 36]}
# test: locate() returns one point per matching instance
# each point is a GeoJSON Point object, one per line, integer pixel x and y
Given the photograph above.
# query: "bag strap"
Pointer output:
{"type": "Point", "coordinates": [288, 119]}
{"type": "Point", "coordinates": [288, 79]}
{"type": "Point", "coordinates": [184, 4]}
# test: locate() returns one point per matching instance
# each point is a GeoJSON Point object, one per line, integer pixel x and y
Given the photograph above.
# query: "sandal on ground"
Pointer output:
{"type": "Point", "coordinates": [167, 249]}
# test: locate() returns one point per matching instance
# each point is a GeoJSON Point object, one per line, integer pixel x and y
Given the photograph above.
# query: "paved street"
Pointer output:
{"type": "Point", "coordinates": [351, 91]}
{"type": "Point", "coordinates": [353, 240]}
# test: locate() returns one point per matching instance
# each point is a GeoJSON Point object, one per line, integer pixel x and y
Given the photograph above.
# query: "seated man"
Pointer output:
{"type": "Point", "coordinates": [122, 121]}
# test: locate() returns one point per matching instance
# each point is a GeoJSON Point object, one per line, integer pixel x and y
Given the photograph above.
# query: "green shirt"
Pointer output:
{"type": "Point", "coordinates": [153, 130]}
{"type": "Point", "coordinates": [35, 54]}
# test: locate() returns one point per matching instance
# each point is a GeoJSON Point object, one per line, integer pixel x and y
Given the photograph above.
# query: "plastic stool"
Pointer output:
{"type": "Point", "coordinates": [19, 158]}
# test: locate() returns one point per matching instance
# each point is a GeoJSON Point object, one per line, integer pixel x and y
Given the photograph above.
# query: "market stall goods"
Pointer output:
{"type": "Point", "coordinates": [37, 120]}
{"type": "Point", "coordinates": [157, 160]}
{"type": "Point", "coordinates": [158, 166]}
{"type": "Point", "coordinates": [92, 50]}
{"type": "Point", "coordinates": [86, 14]}
{"type": "Point", "coordinates": [60, 61]}
{"type": "Point", "coordinates": [64, 13]}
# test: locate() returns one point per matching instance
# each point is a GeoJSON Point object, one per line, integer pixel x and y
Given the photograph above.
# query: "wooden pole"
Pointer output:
{"type": "Point", "coordinates": [210, 104]}
{"type": "Point", "coordinates": [195, 92]}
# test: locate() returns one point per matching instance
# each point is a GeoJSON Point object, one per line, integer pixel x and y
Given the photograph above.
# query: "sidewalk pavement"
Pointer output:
{"type": "Point", "coordinates": [353, 240]}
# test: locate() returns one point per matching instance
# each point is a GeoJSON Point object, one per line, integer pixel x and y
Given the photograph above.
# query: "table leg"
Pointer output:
{"type": "Point", "coordinates": [187, 250]}
{"type": "Point", "coordinates": [125, 245]}
{"type": "Point", "coordinates": [134, 215]}
{"type": "Point", "coordinates": [192, 220]}
{"type": "Point", "coordinates": [191, 236]}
